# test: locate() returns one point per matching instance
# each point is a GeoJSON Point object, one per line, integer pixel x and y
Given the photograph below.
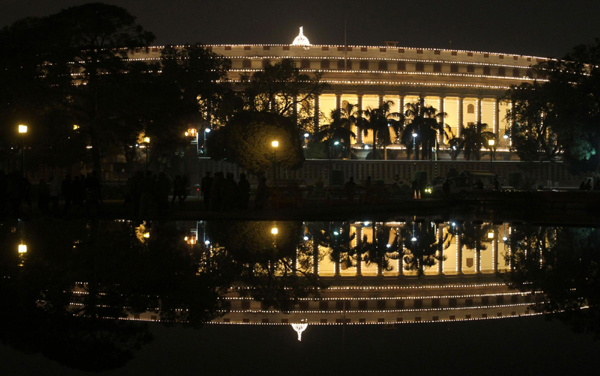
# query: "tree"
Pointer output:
{"type": "Point", "coordinates": [247, 137]}
{"type": "Point", "coordinates": [423, 121]}
{"type": "Point", "coordinates": [421, 245]}
{"type": "Point", "coordinates": [561, 113]}
{"type": "Point", "coordinates": [474, 137]}
{"type": "Point", "coordinates": [91, 42]}
{"type": "Point", "coordinates": [379, 121]}
{"type": "Point", "coordinates": [339, 129]}
{"type": "Point", "coordinates": [280, 88]}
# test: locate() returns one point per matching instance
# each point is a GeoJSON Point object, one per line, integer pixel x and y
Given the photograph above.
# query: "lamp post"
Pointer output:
{"type": "Point", "coordinates": [275, 145]}
{"type": "Point", "coordinates": [491, 144]}
{"type": "Point", "coordinates": [22, 130]}
{"type": "Point", "coordinates": [414, 136]}
{"type": "Point", "coordinates": [206, 132]}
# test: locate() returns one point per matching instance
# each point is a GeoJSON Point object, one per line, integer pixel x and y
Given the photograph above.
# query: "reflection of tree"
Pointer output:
{"type": "Point", "coordinates": [564, 263]}
{"type": "Point", "coordinates": [336, 237]}
{"type": "Point", "coordinates": [380, 250]}
{"type": "Point", "coordinates": [472, 236]}
{"type": "Point", "coordinates": [421, 246]}
{"type": "Point", "coordinates": [275, 268]}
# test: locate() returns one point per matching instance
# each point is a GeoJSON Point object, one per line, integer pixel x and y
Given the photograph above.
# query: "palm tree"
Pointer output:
{"type": "Point", "coordinates": [340, 128]}
{"type": "Point", "coordinates": [424, 121]}
{"type": "Point", "coordinates": [379, 251]}
{"type": "Point", "coordinates": [474, 138]}
{"type": "Point", "coordinates": [379, 120]}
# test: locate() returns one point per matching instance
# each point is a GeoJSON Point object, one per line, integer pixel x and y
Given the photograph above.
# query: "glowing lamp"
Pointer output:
{"type": "Point", "coordinates": [491, 235]}
{"type": "Point", "coordinates": [22, 128]}
{"type": "Point", "coordinates": [491, 142]}
{"type": "Point", "coordinates": [274, 230]}
{"type": "Point", "coordinates": [22, 248]}
{"type": "Point", "coordinates": [275, 144]}
{"type": "Point", "coordinates": [147, 140]}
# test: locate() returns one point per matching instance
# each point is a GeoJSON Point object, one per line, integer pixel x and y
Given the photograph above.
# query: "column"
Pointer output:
{"type": "Point", "coordinates": [478, 110]}
{"type": "Point", "coordinates": [295, 109]}
{"type": "Point", "coordinates": [359, 137]}
{"type": "Point", "coordinates": [380, 99]}
{"type": "Point", "coordinates": [316, 114]}
{"type": "Point", "coordinates": [401, 103]}
{"type": "Point", "coordinates": [458, 256]}
{"type": "Point", "coordinates": [358, 257]}
{"type": "Point", "coordinates": [338, 101]}
{"type": "Point", "coordinates": [441, 250]}
{"type": "Point", "coordinates": [496, 116]}
{"type": "Point", "coordinates": [315, 257]}
{"type": "Point", "coordinates": [442, 110]}
{"type": "Point", "coordinates": [495, 249]}
{"type": "Point", "coordinates": [461, 104]}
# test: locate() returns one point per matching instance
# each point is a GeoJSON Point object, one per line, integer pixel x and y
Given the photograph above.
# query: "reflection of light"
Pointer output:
{"type": "Point", "coordinates": [336, 233]}
{"type": "Point", "coordinates": [414, 135]}
{"type": "Point", "coordinates": [366, 147]}
{"type": "Point", "coordinates": [146, 235]}
{"type": "Point", "coordinates": [336, 143]}
{"type": "Point", "coordinates": [453, 224]}
{"type": "Point", "coordinates": [388, 245]}
{"type": "Point", "coordinates": [274, 231]}
{"type": "Point", "coordinates": [147, 140]}
{"type": "Point", "coordinates": [22, 248]}
{"type": "Point", "coordinates": [75, 127]}
{"type": "Point", "coordinates": [413, 239]}
{"type": "Point", "coordinates": [491, 235]}
{"type": "Point", "coordinates": [366, 223]}
{"type": "Point", "coordinates": [505, 136]}
{"type": "Point", "coordinates": [491, 142]}
{"type": "Point", "coordinates": [207, 242]}
{"type": "Point", "coordinates": [306, 135]}
{"type": "Point", "coordinates": [207, 130]}
{"type": "Point", "coordinates": [305, 238]}
{"type": "Point", "coordinates": [505, 238]}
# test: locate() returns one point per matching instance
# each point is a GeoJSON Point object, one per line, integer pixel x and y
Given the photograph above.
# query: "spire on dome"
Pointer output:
{"type": "Point", "coordinates": [301, 40]}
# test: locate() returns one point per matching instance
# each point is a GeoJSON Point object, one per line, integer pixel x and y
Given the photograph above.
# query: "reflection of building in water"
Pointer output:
{"type": "Point", "coordinates": [461, 282]}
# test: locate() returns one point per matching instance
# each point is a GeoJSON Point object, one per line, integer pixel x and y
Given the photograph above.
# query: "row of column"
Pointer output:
{"type": "Point", "coordinates": [443, 105]}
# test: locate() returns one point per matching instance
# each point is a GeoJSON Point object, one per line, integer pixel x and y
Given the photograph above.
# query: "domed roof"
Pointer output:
{"type": "Point", "coordinates": [301, 40]}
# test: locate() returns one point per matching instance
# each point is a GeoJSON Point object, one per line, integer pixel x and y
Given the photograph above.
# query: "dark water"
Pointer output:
{"type": "Point", "coordinates": [415, 295]}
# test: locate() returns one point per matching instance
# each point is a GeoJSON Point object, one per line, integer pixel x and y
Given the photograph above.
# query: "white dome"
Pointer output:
{"type": "Point", "coordinates": [301, 40]}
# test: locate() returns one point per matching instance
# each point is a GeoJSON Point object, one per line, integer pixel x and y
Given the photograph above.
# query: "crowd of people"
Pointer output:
{"type": "Point", "coordinates": [222, 193]}
{"type": "Point", "coordinates": [80, 195]}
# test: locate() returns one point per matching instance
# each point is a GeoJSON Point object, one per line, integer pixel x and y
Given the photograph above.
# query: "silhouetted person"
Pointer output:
{"type": "Point", "coordinates": [78, 191]}
{"type": "Point", "coordinates": [496, 184]}
{"type": "Point", "coordinates": [243, 192]}
{"type": "Point", "coordinates": [262, 193]}
{"type": "Point", "coordinates": [183, 190]}
{"type": "Point", "coordinates": [588, 185]}
{"type": "Point", "coordinates": [368, 195]}
{"type": "Point", "coordinates": [597, 185]}
{"type": "Point", "coordinates": [416, 187]}
{"type": "Point", "coordinates": [479, 184]}
{"type": "Point", "coordinates": [205, 189]}
{"type": "Point", "coordinates": [350, 188]}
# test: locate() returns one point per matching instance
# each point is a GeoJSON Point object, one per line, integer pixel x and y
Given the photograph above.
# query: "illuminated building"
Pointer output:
{"type": "Point", "coordinates": [466, 85]}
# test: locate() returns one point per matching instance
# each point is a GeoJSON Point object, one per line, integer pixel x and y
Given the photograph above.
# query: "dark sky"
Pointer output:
{"type": "Point", "coordinates": [532, 27]}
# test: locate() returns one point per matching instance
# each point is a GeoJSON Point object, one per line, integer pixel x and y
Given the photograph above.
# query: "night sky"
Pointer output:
{"type": "Point", "coordinates": [530, 27]}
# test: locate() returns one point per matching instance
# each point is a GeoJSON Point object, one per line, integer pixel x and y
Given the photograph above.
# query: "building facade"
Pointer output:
{"type": "Point", "coordinates": [468, 86]}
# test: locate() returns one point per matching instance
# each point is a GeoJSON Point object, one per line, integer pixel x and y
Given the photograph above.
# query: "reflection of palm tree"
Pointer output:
{"type": "Point", "coordinates": [472, 236]}
{"type": "Point", "coordinates": [380, 250]}
{"type": "Point", "coordinates": [422, 247]}
{"type": "Point", "coordinates": [379, 120]}
{"type": "Point", "coordinates": [340, 128]}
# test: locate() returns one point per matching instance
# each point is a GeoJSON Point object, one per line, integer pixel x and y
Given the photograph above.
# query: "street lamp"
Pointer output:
{"type": "Point", "coordinates": [414, 136]}
{"type": "Point", "coordinates": [275, 145]}
{"type": "Point", "coordinates": [491, 144]}
{"type": "Point", "coordinates": [22, 130]}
